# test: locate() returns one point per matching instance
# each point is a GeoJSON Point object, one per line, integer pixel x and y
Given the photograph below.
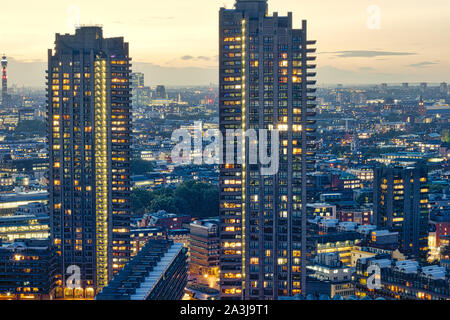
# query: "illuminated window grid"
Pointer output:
{"type": "Point", "coordinates": [101, 176]}
{"type": "Point", "coordinates": [243, 106]}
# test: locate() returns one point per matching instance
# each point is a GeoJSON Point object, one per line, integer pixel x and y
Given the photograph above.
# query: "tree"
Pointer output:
{"type": "Point", "coordinates": [31, 127]}
{"type": "Point", "coordinates": [200, 200]}
{"type": "Point", "coordinates": [140, 167]}
{"type": "Point", "coordinates": [340, 150]}
{"type": "Point", "coordinates": [445, 135]}
{"type": "Point", "coordinates": [164, 203]}
{"type": "Point", "coordinates": [374, 152]}
{"type": "Point", "coordinates": [388, 135]}
{"type": "Point", "coordinates": [140, 200]}
{"type": "Point", "coordinates": [163, 193]}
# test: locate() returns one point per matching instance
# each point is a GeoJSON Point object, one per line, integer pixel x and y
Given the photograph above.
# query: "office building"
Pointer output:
{"type": "Point", "coordinates": [384, 239]}
{"type": "Point", "coordinates": [421, 107]}
{"type": "Point", "coordinates": [29, 222]}
{"type": "Point", "coordinates": [337, 242]}
{"type": "Point", "coordinates": [443, 88]}
{"type": "Point", "coordinates": [330, 276]}
{"type": "Point", "coordinates": [362, 216]}
{"type": "Point", "coordinates": [362, 173]}
{"type": "Point", "coordinates": [440, 228]}
{"type": "Point", "coordinates": [265, 83]}
{"type": "Point", "coordinates": [401, 205]}
{"type": "Point", "coordinates": [324, 210]}
{"type": "Point", "coordinates": [6, 182]}
{"type": "Point", "coordinates": [157, 272]}
{"type": "Point", "coordinates": [29, 270]}
{"type": "Point", "coordinates": [141, 95]}
{"type": "Point", "coordinates": [160, 93]}
{"type": "Point", "coordinates": [137, 81]}
{"type": "Point", "coordinates": [26, 114]}
{"type": "Point", "coordinates": [165, 220]}
{"type": "Point", "coordinates": [141, 236]}
{"type": "Point", "coordinates": [204, 248]}
{"type": "Point", "coordinates": [10, 202]}
{"type": "Point", "coordinates": [89, 152]}
{"type": "Point", "coordinates": [402, 280]}
{"type": "Point", "coordinates": [344, 181]}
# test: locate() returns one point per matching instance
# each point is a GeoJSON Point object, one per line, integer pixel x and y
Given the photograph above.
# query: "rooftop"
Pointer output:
{"type": "Point", "coordinates": [139, 277]}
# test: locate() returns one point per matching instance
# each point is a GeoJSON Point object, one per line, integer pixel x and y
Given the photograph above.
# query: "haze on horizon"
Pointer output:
{"type": "Point", "coordinates": [175, 42]}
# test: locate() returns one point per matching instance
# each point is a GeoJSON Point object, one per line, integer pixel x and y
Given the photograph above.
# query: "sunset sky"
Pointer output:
{"type": "Point", "coordinates": [175, 42]}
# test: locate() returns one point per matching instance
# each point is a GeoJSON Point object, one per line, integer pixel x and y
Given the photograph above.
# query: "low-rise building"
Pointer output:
{"type": "Point", "coordinates": [361, 216]}
{"type": "Point", "coordinates": [324, 210]}
{"type": "Point", "coordinates": [140, 237]}
{"type": "Point", "coordinates": [11, 201]}
{"type": "Point", "coordinates": [401, 280]}
{"type": "Point", "coordinates": [29, 222]}
{"type": "Point", "coordinates": [384, 239]}
{"type": "Point", "coordinates": [338, 242]}
{"type": "Point", "coordinates": [204, 248]}
{"type": "Point", "coordinates": [329, 276]}
{"type": "Point", "coordinates": [167, 220]}
{"type": "Point", "coordinates": [28, 270]}
{"type": "Point", "coordinates": [157, 272]}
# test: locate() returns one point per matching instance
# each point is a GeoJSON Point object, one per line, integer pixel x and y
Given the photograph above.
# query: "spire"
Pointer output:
{"type": "Point", "coordinates": [4, 63]}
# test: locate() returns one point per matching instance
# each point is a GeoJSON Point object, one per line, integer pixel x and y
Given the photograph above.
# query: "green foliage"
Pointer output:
{"type": "Point", "coordinates": [445, 135]}
{"type": "Point", "coordinates": [377, 152]}
{"type": "Point", "coordinates": [200, 200]}
{"type": "Point", "coordinates": [31, 127]}
{"type": "Point", "coordinates": [340, 150]}
{"type": "Point", "coordinates": [388, 135]}
{"type": "Point", "coordinates": [140, 167]}
{"type": "Point", "coordinates": [140, 200]}
{"type": "Point", "coordinates": [197, 198]}
{"type": "Point", "coordinates": [164, 203]}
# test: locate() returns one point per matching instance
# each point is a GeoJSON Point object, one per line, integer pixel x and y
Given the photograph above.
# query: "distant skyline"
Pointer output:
{"type": "Point", "coordinates": [175, 42]}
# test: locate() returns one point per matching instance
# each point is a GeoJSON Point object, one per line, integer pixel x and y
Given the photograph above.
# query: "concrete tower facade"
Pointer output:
{"type": "Point", "coordinates": [89, 126]}
{"type": "Point", "coordinates": [401, 205]}
{"type": "Point", "coordinates": [265, 84]}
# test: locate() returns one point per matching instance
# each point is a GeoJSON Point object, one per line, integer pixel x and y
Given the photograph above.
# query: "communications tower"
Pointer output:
{"type": "Point", "coordinates": [4, 63]}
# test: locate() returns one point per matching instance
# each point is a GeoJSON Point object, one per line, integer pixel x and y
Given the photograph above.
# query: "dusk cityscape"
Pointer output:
{"type": "Point", "coordinates": [211, 152]}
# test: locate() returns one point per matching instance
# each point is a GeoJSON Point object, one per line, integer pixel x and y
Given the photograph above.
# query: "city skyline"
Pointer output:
{"type": "Point", "coordinates": [172, 48]}
{"type": "Point", "coordinates": [153, 167]}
